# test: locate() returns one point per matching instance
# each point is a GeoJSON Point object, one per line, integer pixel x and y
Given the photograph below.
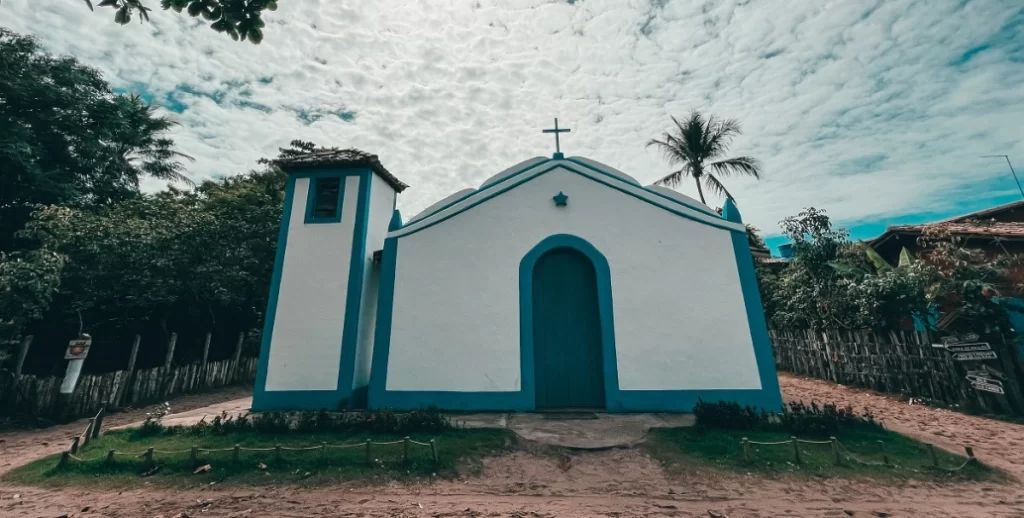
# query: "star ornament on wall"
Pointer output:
{"type": "Point", "coordinates": [561, 200]}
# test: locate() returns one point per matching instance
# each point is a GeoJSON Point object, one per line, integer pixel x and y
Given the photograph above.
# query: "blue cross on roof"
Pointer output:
{"type": "Point", "coordinates": [558, 148]}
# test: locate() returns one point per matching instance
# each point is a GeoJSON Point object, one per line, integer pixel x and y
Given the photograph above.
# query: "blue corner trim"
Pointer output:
{"type": "Point", "coordinates": [260, 396]}
{"type": "Point", "coordinates": [731, 213]}
{"type": "Point", "coordinates": [690, 213]}
{"type": "Point", "coordinates": [311, 199]}
{"type": "Point", "coordinates": [382, 335]}
{"type": "Point", "coordinates": [354, 298]}
{"type": "Point", "coordinates": [396, 221]}
{"type": "Point", "coordinates": [769, 397]}
{"type": "Point", "coordinates": [604, 304]}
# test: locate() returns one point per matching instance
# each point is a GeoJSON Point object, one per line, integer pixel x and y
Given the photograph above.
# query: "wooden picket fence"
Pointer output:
{"type": "Point", "coordinates": [899, 363]}
{"type": "Point", "coordinates": [41, 395]}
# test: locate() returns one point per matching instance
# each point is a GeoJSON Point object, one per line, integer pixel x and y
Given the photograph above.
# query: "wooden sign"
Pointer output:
{"type": "Point", "coordinates": [954, 339]}
{"type": "Point", "coordinates": [78, 349]}
{"type": "Point", "coordinates": [988, 387]}
{"type": "Point", "coordinates": [974, 377]}
{"type": "Point", "coordinates": [974, 356]}
{"type": "Point", "coordinates": [968, 347]}
{"type": "Point", "coordinates": [990, 372]}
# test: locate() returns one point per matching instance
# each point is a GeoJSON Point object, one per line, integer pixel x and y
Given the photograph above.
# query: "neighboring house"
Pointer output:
{"type": "Point", "coordinates": [996, 231]}
{"type": "Point", "coordinates": [558, 283]}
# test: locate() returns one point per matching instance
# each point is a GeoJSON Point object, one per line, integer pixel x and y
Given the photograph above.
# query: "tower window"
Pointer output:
{"type": "Point", "coordinates": [324, 203]}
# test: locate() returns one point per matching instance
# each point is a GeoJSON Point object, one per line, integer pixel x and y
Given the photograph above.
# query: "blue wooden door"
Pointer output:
{"type": "Point", "coordinates": [568, 371]}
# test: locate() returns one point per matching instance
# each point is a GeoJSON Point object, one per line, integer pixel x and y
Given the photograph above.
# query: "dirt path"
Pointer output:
{"type": "Point", "coordinates": [618, 483]}
{"type": "Point", "coordinates": [996, 443]}
{"type": "Point", "coordinates": [18, 447]}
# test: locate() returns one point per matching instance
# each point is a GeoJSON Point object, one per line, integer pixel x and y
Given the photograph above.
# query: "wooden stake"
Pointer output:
{"type": "Point", "coordinates": [147, 460]}
{"type": "Point", "coordinates": [745, 444]}
{"type": "Point", "coordinates": [237, 358]}
{"type": "Point", "coordinates": [934, 455]}
{"type": "Point", "coordinates": [885, 455]}
{"type": "Point", "coordinates": [74, 444]}
{"type": "Point", "coordinates": [369, 455]}
{"type": "Point", "coordinates": [89, 430]}
{"type": "Point", "coordinates": [796, 450]}
{"type": "Point", "coordinates": [206, 355]}
{"type": "Point", "coordinates": [22, 354]}
{"type": "Point", "coordinates": [433, 451]}
{"type": "Point", "coordinates": [128, 374]}
{"type": "Point", "coordinates": [970, 452]}
{"type": "Point", "coordinates": [110, 456]}
{"type": "Point", "coordinates": [323, 451]}
{"type": "Point", "coordinates": [193, 456]}
{"type": "Point", "coordinates": [236, 454]}
{"type": "Point", "coordinates": [836, 458]}
{"type": "Point", "coordinates": [277, 453]}
{"type": "Point", "coordinates": [169, 360]}
{"type": "Point", "coordinates": [65, 458]}
{"type": "Point", "coordinates": [405, 450]}
{"type": "Point", "coordinates": [99, 422]}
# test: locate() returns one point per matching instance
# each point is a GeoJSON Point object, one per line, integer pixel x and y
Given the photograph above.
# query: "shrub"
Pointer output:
{"type": "Point", "coordinates": [154, 423]}
{"type": "Point", "coordinates": [429, 420]}
{"type": "Point", "coordinates": [728, 415]}
{"type": "Point", "coordinates": [796, 418]}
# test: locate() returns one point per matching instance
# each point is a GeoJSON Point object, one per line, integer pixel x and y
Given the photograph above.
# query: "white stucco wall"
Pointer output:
{"type": "Point", "coordinates": [305, 347]}
{"type": "Point", "coordinates": [679, 313]}
{"type": "Point", "coordinates": [382, 205]}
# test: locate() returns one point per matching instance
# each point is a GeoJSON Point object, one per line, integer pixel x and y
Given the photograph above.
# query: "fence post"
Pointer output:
{"type": "Point", "coordinates": [193, 456]}
{"type": "Point", "coordinates": [745, 444]}
{"type": "Point", "coordinates": [970, 453]}
{"type": "Point", "coordinates": [237, 358]}
{"type": "Point", "coordinates": [885, 455]}
{"type": "Point", "coordinates": [147, 460]}
{"type": "Point", "coordinates": [65, 458]}
{"type": "Point", "coordinates": [934, 455]}
{"type": "Point", "coordinates": [405, 450]}
{"type": "Point", "coordinates": [277, 453]}
{"type": "Point", "coordinates": [369, 456]}
{"type": "Point", "coordinates": [170, 350]}
{"type": "Point", "coordinates": [236, 454]}
{"type": "Point", "coordinates": [98, 425]}
{"type": "Point", "coordinates": [835, 451]}
{"type": "Point", "coordinates": [89, 431]}
{"type": "Point", "coordinates": [323, 452]}
{"type": "Point", "coordinates": [110, 456]}
{"type": "Point", "coordinates": [433, 451]}
{"type": "Point", "coordinates": [131, 370]}
{"type": "Point", "coordinates": [206, 356]}
{"type": "Point", "coordinates": [74, 444]}
{"type": "Point", "coordinates": [22, 354]}
{"type": "Point", "coordinates": [796, 450]}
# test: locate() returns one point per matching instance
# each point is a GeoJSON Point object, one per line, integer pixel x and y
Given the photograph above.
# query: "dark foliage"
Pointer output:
{"type": "Point", "coordinates": [796, 418]}
{"type": "Point", "coordinates": [428, 420]}
{"type": "Point", "coordinates": [240, 19]}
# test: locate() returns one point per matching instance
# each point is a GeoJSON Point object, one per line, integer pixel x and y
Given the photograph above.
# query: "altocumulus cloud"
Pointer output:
{"type": "Point", "coordinates": [870, 109]}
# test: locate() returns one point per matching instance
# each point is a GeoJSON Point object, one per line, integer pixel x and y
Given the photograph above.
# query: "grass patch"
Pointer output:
{"type": "Point", "coordinates": [683, 448]}
{"type": "Point", "coordinates": [456, 448]}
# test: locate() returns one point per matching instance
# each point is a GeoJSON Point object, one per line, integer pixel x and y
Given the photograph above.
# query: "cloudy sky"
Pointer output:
{"type": "Point", "coordinates": [877, 111]}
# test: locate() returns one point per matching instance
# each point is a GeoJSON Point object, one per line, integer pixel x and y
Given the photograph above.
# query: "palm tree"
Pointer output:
{"type": "Point", "coordinates": [698, 145]}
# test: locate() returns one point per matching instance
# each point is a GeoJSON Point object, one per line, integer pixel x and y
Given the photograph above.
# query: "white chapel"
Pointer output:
{"type": "Point", "coordinates": [558, 283]}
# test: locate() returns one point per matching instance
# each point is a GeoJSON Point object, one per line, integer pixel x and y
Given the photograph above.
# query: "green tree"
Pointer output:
{"type": "Point", "coordinates": [698, 145]}
{"type": "Point", "coordinates": [67, 139]}
{"type": "Point", "coordinates": [242, 20]}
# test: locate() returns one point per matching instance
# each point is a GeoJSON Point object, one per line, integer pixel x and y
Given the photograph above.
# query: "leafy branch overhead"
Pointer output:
{"type": "Point", "coordinates": [240, 19]}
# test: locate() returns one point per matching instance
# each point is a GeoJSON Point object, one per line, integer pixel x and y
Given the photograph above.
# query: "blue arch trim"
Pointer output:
{"type": "Point", "coordinates": [317, 399]}
{"type": "Point", "coordinates": [604, 305]}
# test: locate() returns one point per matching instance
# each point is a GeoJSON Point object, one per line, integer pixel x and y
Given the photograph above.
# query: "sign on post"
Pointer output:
{"type": "Point", "coordinates": [988, 387]}
{"type": "Point", "coordinates": [974, 356]}
{"type": "Point", "coordinates": [78, 349]}
{"type": "Point", "coordinates": [968, 347]}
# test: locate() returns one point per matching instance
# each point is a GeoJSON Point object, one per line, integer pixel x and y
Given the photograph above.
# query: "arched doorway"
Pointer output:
{"type": "Point", "coordinates": [567, 357]}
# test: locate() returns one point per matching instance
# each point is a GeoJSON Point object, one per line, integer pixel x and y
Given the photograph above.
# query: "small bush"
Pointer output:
{"type": "Point", "coordinates": [727, 415]}
{"type": "Point", "coordinates": [796, 418]}
{"type": "Point", "coordinates": [429, 420]}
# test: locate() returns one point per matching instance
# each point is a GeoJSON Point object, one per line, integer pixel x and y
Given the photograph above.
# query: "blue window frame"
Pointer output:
{"type": "Point", "coordinates": [323, 202]}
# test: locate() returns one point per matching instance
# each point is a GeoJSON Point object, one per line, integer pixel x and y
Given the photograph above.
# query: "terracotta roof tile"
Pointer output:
{"type": "Point", "coordinates": [341, 157]}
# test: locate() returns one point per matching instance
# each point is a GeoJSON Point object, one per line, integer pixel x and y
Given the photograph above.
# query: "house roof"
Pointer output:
{"type": "Point", "coordinates": [969, 229]}
{"type": "Point", "coordinates": [340, 157]}
{"type": "Point", "coordinates": [985, 213]}
{"type": "Point", "coordinates": [534, 167]}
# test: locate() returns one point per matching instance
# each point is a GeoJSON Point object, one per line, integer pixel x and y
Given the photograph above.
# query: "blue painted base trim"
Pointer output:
{"type": "Point", "coordinates": [297, 400]}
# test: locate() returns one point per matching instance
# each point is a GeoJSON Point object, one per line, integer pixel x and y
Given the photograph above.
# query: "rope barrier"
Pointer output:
{"type": "Point", "coordinates": [171, 452]}
{"type": "Point", "coordinates": [214, 450]}
{"type": "Point", "coordinates": [343, 446]}
{"type": "Point", "coordinates": [776, 443]}
{"type": "Point", "coordinates": [813, 442]}
{"type": "Point", "coordinates": [309, 448]}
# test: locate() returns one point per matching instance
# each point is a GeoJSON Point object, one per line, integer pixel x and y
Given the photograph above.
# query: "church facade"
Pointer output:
{"type": "Point", "coordinates": [558, 283]}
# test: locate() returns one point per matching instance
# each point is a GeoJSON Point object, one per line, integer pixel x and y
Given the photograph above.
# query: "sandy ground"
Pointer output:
{"type": "Point", "coordinates": [618, 483]}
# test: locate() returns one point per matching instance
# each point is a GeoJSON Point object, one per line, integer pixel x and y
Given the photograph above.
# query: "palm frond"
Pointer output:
{"type": "Point", "coordinates": [716, 186]}
{"type": "Point", "coordinates": [720, 136]}
{"type": "Point", "coordinates": [742, 165]}
{"type": "Point", "coordinates": [675, 178]}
